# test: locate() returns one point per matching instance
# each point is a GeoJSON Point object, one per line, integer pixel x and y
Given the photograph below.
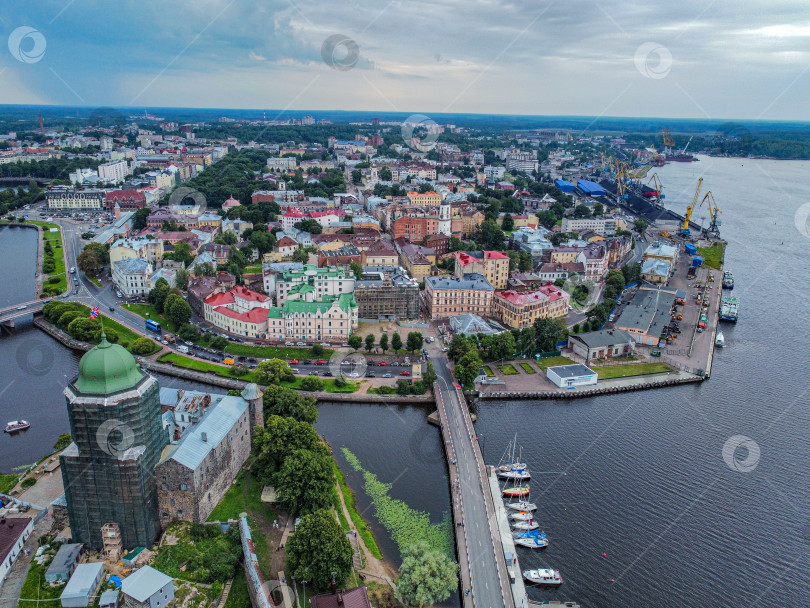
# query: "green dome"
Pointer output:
{"type": "Point", "coordinates": [107, 368]}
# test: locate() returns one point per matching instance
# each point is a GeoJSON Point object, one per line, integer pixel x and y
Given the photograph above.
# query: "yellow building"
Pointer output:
{"type": "Point", "coordinates": [522, 309]}
{"type": "Point", "coordinates": [425, 198]}
{"type": "Point", "coordinates": [494, 265]}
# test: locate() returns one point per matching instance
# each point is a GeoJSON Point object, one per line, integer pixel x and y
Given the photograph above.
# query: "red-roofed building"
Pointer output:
{"type": "Point", "coordinates": [127, 200]}
{"type": "Point", "coordinates": [231, 203]}
{"type": "Point", "coordinates": [522, 309]}
{"type": "Point", "coordinates": [291, 218]}
{"type": "Point", "coordinates": [239, 311]}
{"type": "Point", "coordinates": [348, 598]}
{"type": "Point", "coordinates": [286, 246]}
{"type": "Point", "coordinates": [494, 265]}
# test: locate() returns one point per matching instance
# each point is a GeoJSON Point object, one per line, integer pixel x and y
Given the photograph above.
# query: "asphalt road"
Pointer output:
{"type": "Point", "coordinates": [486, 586]}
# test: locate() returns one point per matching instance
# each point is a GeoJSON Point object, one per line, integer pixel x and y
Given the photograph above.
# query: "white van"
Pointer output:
{"type": "Point", "coordinates": [182, 349]}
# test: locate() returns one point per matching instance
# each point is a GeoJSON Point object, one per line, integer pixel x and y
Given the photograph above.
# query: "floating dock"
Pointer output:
{"type": "Point", "coordinates": [507, 542]}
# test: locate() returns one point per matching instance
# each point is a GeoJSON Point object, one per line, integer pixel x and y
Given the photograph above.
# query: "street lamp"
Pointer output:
{"type": "Point", "coordinates": [304, 584]}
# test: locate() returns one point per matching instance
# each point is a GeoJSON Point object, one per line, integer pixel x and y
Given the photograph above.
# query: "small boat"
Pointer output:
{"type": "Point", "coordinates": [16, 425]}
{"type": "Point", "coordinates": [530, 540]}
{"type": "Point", "coordinates": [525, 526]}
{"type": "Point", "coordinates": [516, 492]}
{"type": "Point", "coordinates": [720, 340]}
{"type": "Point", "coordinates": [521, 505]}
{"type": "Point", "coordinates": [543, 576]}
{"type": "Point", "coordinates": [521, 516]}
{"type": "Point", "coordinates": [512, 466]}
{"type": "Point", "coordinates": [728, 280]}
{"type": "Point", "coordinates": [514, 474]}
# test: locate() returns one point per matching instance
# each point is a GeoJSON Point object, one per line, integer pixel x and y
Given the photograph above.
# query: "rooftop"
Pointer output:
{"type": "Point", "coordinates": [10, 531]}
{"type": "Point", "coordinates": [572, 371]}
{"type": "Point", "coordinates": [596, 339]}
{"type": "Point", "coordinates": [471, 280]}
{"type": "Point", "coordinates": [143, 583]}
{"type": "Point", "coordinates": [83, 581]}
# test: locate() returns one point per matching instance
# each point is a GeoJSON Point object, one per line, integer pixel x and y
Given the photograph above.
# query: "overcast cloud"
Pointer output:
{"type": "Point", "coordinates": [687, 59]}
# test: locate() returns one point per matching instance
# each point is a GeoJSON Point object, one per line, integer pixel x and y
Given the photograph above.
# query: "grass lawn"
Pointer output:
{"type": "Point", "coordinates": [275, 352]}
{"type": "Point", "coordinates": [148, 311]}
{"type": "Point", "coordinates": [528, 368]}
{"type": "Point", "coordinates": [488, 371]}
{"type": "Point", "coordinates": [55, 239]}
{"type": "Point", "coordinates": [224, 371]}
{"type": "Point", "coordinates": [633, 369]}
{"type": "Point", "coordinates": [712, 256]}
{"type": "Point", "coordinates": [252, 268]}
{"type": "Point", "coordinates": [95, 280]}
{"type": "Point", "coordinates": [507, 369]}
{"type": "Point", "coordinates": [7, 482]}
{"type": "Point", "coordinates": [198, 548]}
{"type": "Point", "coordinates": [544, 364]}
{"type": "Point", "coordinates": [37, 590]}
{"type": "Point", "coordinates": [357, 520]}
{"type": "Point", "coordinates": [237, 501]}
{"type": "Point", "coordinates": [239, 596]}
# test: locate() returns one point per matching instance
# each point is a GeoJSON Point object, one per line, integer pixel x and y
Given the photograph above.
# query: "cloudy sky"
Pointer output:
{"type": "Point", "coordinates": [703, 59]}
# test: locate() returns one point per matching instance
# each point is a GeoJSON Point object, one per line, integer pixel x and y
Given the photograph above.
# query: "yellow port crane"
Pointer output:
{"type": "Point", "coordinates": [714, 212]}
{"type": "Point", "coordinates": [667, 137]}
{"type": "Point", "coordinates": [685, 229]}
{"type": "Point", "coordinates": [656, 182]}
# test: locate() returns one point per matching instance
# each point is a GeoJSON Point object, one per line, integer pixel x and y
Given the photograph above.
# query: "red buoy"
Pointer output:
{"type": "Point", "coordinates": [604, 555]}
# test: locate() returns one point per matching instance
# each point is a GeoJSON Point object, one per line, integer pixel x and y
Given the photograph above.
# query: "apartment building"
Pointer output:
{"type": "Point", "coordinates": [494, 265]}
{"type": "Point", "coordinates": [447, 297]}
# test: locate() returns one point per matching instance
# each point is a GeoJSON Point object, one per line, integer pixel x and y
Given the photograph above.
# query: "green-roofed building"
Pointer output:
{"type": "Point", "coordinates": [311, 283]}
{"type": "Point", "coordinates": [108, 469]}
{"type": "Point", "coordinates": [330, 319]}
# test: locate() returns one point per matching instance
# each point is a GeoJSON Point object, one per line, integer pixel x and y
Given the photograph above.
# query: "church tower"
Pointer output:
{"type": "Point", "coordinates": [444, 218]}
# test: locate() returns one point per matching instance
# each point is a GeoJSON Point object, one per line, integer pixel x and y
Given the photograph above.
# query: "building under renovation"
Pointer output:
{"type": "Point", "coordinates": [109, 469]}
{"type": "Point", "coordinates": [386, 292]}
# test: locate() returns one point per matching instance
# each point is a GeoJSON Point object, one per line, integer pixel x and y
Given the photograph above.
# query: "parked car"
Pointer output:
{"type": "Point", "coordinates": [405, 373]}
{"type": "Point", "coordinates": [300, 343]}
{"type": "Point", "coordinates": [382, 364]}
{"type": "Point", "coordinates": [386, 375]}
{"type": "Point", "coordinates": [293, 361]}
{"type": "Point", "coordinates": [296, 370]}
{"type": "Point", "coordinates": [325, 344]}
{"type": "Point", "coordinates": [320, 362]}
{"type": "Point", "coordinates": [259, 342]}
{"type": "Point", "coordinates": [306, 362]}
{"type": "Point", "coordinates": [288, 343]}
{"type": "Point", "coordinates": [371, 375]}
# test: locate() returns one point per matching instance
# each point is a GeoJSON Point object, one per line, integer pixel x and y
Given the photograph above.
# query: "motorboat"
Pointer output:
{"type": "Point", "coordinates": [521, 505]}
{"type": "Point", "coordinates": [525, 526]}
{"type": "Point", "coordinates": [720, 340]}
{"type": "Point", "coordinates": [543, 576]}
{"type": "Point", "coordinates": [516, 491]}
{"type": "Point", "coordinates": [531, 540]}
{"type": "Point", "coordinates": [521, 516]}
{"type": "Point", "coordinates": [16, 425]}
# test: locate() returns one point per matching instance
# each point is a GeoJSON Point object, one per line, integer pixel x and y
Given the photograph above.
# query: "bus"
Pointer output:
{"type": "Point", "coordinates": [152, 326]}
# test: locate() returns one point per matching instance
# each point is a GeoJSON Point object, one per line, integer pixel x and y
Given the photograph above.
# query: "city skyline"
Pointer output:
{"type": "Point", "coordinates": [696, 60]}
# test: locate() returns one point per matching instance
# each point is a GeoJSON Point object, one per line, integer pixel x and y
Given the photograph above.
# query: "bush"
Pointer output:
{"type": "Point", "coordinates": [219, 343]}
{"type": "Point", "coordinates": [62, 442]}
{"type": "Point", "coordinates": [311, 384]}
{"type": "Point", "coordinates": [403, 388]}
{"type": "Point", "coordinates": [340, 381]}
{"type": "Point", "coordinates": [317, 350]}
{"type": "Point", "coordinates": [54, 280]}
{"type": "Point", "coordinates": [386, 390]}
{"type": "Point", "coordinates": [239, 370]}
{"type": "Point", "coordinates": [48, 267]}
{"type": "Point", "coordinates": [28, 482]}
{"type": "Point", "coordinates": [418, 388]}
{"type": "Point", "coordinates": [189, 333]}
{"type": "Point", "coordinates": [143, 346]}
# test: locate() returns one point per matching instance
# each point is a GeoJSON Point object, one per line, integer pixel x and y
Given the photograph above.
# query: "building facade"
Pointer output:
{"type": "Point", "coordinates": [386, 292]}
{"type": "Point", "coordinates": [326, 281]}
{"type": "Point", "coordinates": [132, 276]}
{"type": "Point", "coordinates": [108, 470]}
{"type": "Point", "coordinates": [494, 265]}
{"type": "Point", "coordinates": [522, 309]}
{"type": "Point", "coordinates": [446, 297]}
{"type": "Point", "coordinates": [113, 172]}
{"type": "Point", "coordinates": [68, 198]}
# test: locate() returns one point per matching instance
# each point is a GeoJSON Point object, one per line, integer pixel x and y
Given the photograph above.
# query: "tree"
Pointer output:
{"type": "Point", "coordinates": [311, 384]}
{"type": "Point", "coordinates": [490, 235]}
{"type": "Point", "coordinates": [508, 222]}
{"type": "Point", "coordinates": [227, 238]}
{"type": "Point", "coordinates": [304, 483]}
{"type": "Point", "coordinates": [219, 343]}
{"type": "Point", "coordinates": [581, 211]}
{"type": "Point", "coordinates": [317, 548]}
{"type": "Point", "coordinates": [286, 402]}
{"type": "Point", "coordinates": [92, 258]}
{"type": "Point", "coordinates": [357, 176]}
{"type": "Point", "coordinates": [139, 219]}
{"type": "Point", "coordinates": [415, 341]}
{"type": "Point", "coordinates": [177, 309]}
{"type": "Point", "coordinates": [527, 341]}
{"type": "Point", "coordinates": [503, 346]}
{"type": "Point", "coordinates": [426, 576]}
{"type": "Point", "coordinates": [355, 342]}
{"type": "Point", "coordinates": [205, 269]}
{"type": "Point", "coordinates": [182, 253]}
{"type": "Point", "coordinates": [429, 376]}
{"type": "Point", "coordinates": [309, 225]}
{"type": "Point", "coordinates": [181, 278]}
{"type": "Point", "coordinates": [272, 372]}
{"type": "Point", "coordinates": [280, 437]}
{"type": "Point", "coordinates": [356, 268]}
{"type": "Point", "coordinates": [385, 174]}
{"type": "Point", "coordinates": [158, 294]}
{"type": "Point", "coordinates": [548, 333]}
{"type": "Point", "coordinates": [467, 368]}
{"type": "Point", "coordinates": [318, 350]}
{"type": "Point", "coordinates": [598, 209]}
{"type": "Point", "coordinates": [143, 346]}
{"type": "Point", "coordinates": [396, 342]}
{"type": "Point", "coordinates": [640, 225]}
{"type": "Point", "coordinates": [459, 346]}
{"type": "Point", "coordinates": [369, 342]}
{"type": "Point", "coordinates": [384, 342]}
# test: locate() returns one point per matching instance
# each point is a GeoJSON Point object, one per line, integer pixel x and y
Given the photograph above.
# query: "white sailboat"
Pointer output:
{"type": "Point", "coordinates": [720, 340]}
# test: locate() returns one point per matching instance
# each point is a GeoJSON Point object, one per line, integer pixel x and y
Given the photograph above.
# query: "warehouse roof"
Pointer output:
{"type": "Point", "coordinates": [596, 339]}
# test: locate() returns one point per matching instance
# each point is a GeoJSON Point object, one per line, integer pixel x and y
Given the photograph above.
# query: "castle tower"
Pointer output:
{"type": "Point", "coordinates": [108, 471]}
{"type": "Point", "coordinates": [253, 396]}
{"type": "Point", "coordinates": [444, 218]}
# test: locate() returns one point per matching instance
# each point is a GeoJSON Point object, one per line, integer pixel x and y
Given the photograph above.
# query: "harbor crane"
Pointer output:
{"type": "Point", "coordinates": [714, 212]}
{"type": "Point", "coordinates": [667, 137]}
{"type": "Point", "coordinates": [685, 230]}
{"type": "Point", "coordinates": [656, 182]}
{"type": "Point", "coordinates": [687, 145]}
